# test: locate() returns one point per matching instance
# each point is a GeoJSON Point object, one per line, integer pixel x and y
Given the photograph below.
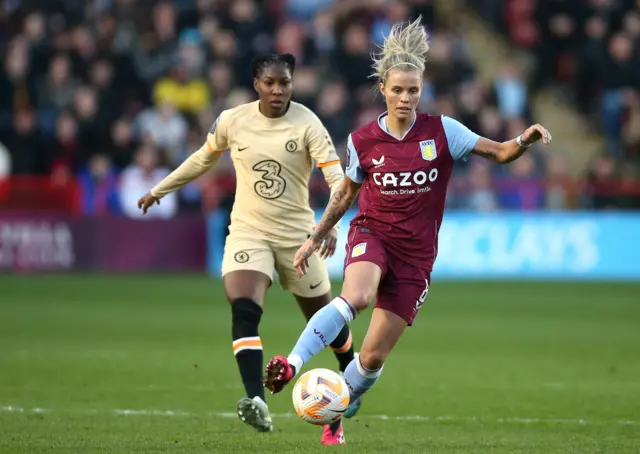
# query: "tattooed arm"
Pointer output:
{"type": "Point", "coordinates": [511, 150]}
{"type": "Point", "coordinates": [339, 204]}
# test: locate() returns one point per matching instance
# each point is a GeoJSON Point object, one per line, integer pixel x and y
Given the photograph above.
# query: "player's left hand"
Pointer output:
{"type": "Point", "coordinates": [329, 244]}
{"type": "Point", "coordinates": [301, 259]}
{"type": "Point", "coordinates": [535, 133]}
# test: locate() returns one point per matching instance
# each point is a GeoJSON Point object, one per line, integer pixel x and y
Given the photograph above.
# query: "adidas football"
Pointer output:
{"type": "Point", "coordinates": [320, 396]}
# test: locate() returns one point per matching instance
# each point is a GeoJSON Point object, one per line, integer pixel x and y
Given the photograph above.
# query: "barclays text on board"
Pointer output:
{"type": "Point", "coordinates": [583, 245]}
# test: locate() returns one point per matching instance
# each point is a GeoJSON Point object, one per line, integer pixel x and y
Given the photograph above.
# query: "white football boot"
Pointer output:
{"type": "Point", "coordinates": [255, 413]}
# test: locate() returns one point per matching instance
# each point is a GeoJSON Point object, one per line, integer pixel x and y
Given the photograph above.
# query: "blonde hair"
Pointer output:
{"type": "Point", "coordinates": [405, 48]}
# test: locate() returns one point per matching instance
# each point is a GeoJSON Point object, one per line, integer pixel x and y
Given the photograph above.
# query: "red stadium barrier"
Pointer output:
{"type": "Point", "coordinates": [28, 193]}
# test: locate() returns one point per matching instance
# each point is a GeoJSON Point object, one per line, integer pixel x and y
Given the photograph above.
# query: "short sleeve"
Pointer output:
{"type": "Point", "coordinates": [354, 171]}
{"type": "Point", "coordinates": [320, 145]}
{"type": "Point", "coordinates": [218, 137]}
{"type": "Point", "coordinates": [461, 139]}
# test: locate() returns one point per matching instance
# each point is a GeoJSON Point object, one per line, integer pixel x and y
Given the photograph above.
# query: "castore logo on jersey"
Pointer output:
{"type": "Point", "coordinates": [378, 162]}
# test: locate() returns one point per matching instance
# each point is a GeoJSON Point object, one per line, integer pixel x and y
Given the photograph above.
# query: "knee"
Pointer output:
{"type": "Point", "coordinates": [372, 359]}
{"type": "Point", "coordinates": [241, 285]}
{"type": "Point", "coordinates": [359, 298]}
{"type": "Point", "coordinates": [235, 294]}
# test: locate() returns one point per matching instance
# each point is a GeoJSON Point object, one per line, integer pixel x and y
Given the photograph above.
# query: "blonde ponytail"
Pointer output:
{"type": "Point", "coordinates": [406, 47]}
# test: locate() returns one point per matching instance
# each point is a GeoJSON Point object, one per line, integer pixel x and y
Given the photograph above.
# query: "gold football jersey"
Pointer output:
{"type": "Point", "coordinates": [273, 160]}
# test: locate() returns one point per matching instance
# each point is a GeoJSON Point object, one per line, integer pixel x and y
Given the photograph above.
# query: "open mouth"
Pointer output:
{"type": "Point", "coordinates": [404, 109]}
{"type": "Point", "coordinates": [277, 103]}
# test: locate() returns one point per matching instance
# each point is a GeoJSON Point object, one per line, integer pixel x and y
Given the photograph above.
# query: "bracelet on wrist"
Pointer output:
{"type": "Point", "coordinates": [522, 143]}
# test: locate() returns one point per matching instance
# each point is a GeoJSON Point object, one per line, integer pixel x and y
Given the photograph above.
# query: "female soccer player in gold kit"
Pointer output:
{"type": "Point", "coordinates": [273, 144]}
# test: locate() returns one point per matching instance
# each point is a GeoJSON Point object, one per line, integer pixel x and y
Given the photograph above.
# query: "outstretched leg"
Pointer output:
{"type": "Point", "coordinates": [360, 284]}
{"type": "Point", "coordinates": [342, 345]}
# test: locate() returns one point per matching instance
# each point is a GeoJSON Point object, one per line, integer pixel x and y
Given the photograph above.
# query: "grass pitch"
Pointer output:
{"type": "Point", "coordinates": [143, 364]}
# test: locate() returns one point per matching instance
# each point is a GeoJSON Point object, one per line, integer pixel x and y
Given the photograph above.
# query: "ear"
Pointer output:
{"type": "Point", "coordinates": [382, 90]}
{"type": "Point", "coordinates": [256, 83]}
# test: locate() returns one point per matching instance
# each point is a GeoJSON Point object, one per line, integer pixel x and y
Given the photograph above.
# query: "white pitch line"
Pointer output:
{"type": "Point", "coordinates": [421, 418]}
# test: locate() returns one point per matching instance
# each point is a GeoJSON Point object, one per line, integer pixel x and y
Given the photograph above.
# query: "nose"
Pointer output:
{"type": "Point", "coordinates": [277, 90]}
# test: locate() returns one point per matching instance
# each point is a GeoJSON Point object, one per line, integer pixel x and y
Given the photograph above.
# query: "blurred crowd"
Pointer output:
{"type": "Point", "coordinates": [113, 94]}
{"type": "Point", "coordinates": [590, 49]}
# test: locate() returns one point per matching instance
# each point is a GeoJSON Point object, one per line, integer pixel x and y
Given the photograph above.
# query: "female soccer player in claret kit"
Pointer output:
{"type": "Point", "coordinates": [273, 143]}
{"type": "Point", "coordinates": [400, 164]}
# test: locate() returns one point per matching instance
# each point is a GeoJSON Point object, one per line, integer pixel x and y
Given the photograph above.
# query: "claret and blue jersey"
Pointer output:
{"type": "Point", "coordinates": [404, 181]}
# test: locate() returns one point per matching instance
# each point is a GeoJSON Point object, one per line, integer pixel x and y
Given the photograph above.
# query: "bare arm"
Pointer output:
{"type": "Point", "coordinates": [339, 204]}
{"type": "Point", "coordinates": [509, 151]}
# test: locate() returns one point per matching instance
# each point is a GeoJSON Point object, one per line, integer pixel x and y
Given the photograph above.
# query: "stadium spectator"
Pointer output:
{"type": "Point", "coordinates": [184, 86]}
{"type": "Point", "coordinates": [591, 56]}
{"type": "Point", "coordinates": [480, 194]}
{"type": "Point", "coordinates": [16, 88]}
{"type": "Point", "coordinates": [67, 149]}
{"type": "Point", "coordinates": [167, 128]}
{"type": "Point", "coordinates": [601, 181]}
{"type": "Point", "coordinates": [26, 147]}
{"type": "Point", "coordinates": [5, 172]}
{"type": "Point", "coordinates": [121, 143]}
{"type": "Point", "coordinates": [86, 102]}
{"type": "Point", "coordinates": [322, 33]}
{"type": "Point", "coordinates": [220, 83]}
{"type": "Point", "coordinates": [511, 91]}
{"type": "Point", "coordinates": [560, 188]}
{"type": "Point", "coordinates": [522, 188]}
{"type": "Point", "coordinates": [155, 50]}
{"type": "Point", "coordinates": [618, 73]}
{"type": "Point", "coordinates": [352, 58]}
{"type": "Point", "coordinates": [5, 163]}
{"type": "Point", "coordinates": [58, 87]}
{"type": "Point", "coordinates": [138, 178]}
{"type": "Point", "coordinates": [102, 78]}
{"type": "Point", "coordinates": [333, 109]}
{"type": "Point", "coordinates": [99, 187]}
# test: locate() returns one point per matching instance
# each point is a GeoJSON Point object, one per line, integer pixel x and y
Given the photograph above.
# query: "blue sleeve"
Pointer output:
{"type": "Point", "coordinates": [461, 139]}
{"type": "Point", "coordinates": [354, 171]}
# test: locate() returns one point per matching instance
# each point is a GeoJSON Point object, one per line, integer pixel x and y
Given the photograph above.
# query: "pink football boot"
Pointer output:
{"type": "Point", "coordinates": [279, 372]}
{"type": "Point", "coordinates": [332, 434]}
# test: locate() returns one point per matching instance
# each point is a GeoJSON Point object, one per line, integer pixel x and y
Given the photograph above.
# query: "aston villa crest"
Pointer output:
{"type": "Point", "coordinates": [428, 150]}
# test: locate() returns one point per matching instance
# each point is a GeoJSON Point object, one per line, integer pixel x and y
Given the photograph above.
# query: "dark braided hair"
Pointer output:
{"type": "Point", "coordinates": [259, 63]}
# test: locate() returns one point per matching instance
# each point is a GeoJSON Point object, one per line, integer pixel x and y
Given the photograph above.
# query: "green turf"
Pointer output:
{"type": "Point", "coordinates": [525, 368]}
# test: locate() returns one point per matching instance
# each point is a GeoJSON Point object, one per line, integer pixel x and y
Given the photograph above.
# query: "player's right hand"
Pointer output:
{"type": "Point", "coordinates": [301, 259]}
{"type": "Point", "coordinates": [147, 201]}
{"type": "Point", "coordinates": [328, 247]}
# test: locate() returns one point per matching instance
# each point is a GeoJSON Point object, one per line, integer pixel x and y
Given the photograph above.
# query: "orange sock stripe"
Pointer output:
{"type": "Point", "coordinates": [346, 346]}
{"type": "Point", "coordinates": [247, 343]}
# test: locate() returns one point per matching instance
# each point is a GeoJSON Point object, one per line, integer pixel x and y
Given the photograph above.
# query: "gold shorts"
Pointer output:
{"type": "Point", "coordinates": [255, 254]}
